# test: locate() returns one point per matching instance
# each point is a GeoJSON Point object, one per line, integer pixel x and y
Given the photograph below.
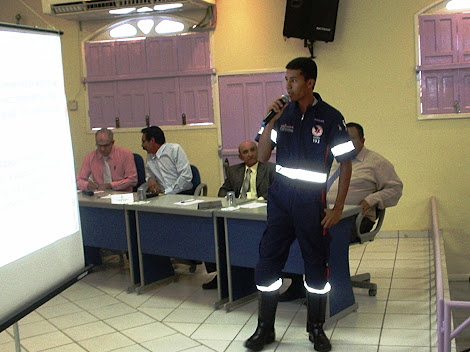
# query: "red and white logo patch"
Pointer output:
{"type": "Point", "coordinates": [317, 130]}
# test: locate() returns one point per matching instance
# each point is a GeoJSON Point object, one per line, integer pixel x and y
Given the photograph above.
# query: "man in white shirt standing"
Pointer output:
{"type": "Point", "coordinates": [374, 184]}
{"type": "Point", "coordinates": [168, 169]}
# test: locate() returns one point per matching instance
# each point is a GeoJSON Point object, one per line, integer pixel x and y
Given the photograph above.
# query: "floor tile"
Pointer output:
{"type": "Point", "coordinates": [175, 342]}
{"type": "Point", "coordinates": [75, 319]}
{"type": "Point", "coordinates": [222, 317]}
{"type": "Point", "coordinates": [407, 321]}
{"type": "Point", "coordinates": [216, 345]}
{"type": "Point", "coordinates": [91, 304]}
{"type": "Point", "coordinates": [376, 264]}
{"type": "Point", "coordinates": [345, 336]}
{"type": "Point", "coordinates": [148, 332]}
{"type": "Point", "coordinates": [355, 348]}
{"type": "Point", "coordinates": [132, 348]}
{"type": "Point", "coordinates": [58, 310]}
{"type": "Point", "coordinates": [361, 320]}
{"type": "Point", "coordinates": [156, 313]}
{"type": "Point", "coordinates": [185, 328]}
{"type": "Point", "coordinates": [410, 283]}
{"type": "Point", "coordinates": [113, 310]}
{"type": "Point", "coordinates": [408, 307]}
{"type": "Point", "coordinates": [128, 321]}
{"type": "Point", "coordinates": [409, 295]}
{"type": "Point", "coordinates": [405, 337]}
{"type": "Point", "coordinates": [36, 328]}
{"type": "Point", "coordinates": [107, 343]}
{"type": "Point", "coordinates": [224, 332]}
{"type": "Point", "coordinates": [5, 337]}
{"type": "Point", "coordinates": [42, 342]}
{"type": "Point", "coordinates": [73, 347]}
{"type": "Point", "coordinates": [87, 331]}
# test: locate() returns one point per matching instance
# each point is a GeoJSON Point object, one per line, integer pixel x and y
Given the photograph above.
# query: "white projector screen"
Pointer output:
{"type": "Point", "coordinates": [40, 239]}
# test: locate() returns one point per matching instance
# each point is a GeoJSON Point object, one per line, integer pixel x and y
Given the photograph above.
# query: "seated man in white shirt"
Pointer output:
{"type": "Point", "coordinates": [168, 169]}
{"type": "Point", "coordinates": [374, 184]}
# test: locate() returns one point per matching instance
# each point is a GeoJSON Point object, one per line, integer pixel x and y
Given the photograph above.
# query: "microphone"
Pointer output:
{"type": "Point", "coordinates": [284, 99]}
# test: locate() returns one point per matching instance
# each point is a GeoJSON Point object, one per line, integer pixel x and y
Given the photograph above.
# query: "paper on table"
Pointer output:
{"type": "Point", "coordinates": [189, 202]}
{"type": "Point", "coordinates": [253, 205]}
{"type": "Point", "coordinates": [230, 208]}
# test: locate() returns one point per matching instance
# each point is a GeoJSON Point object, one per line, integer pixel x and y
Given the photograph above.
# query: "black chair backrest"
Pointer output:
{"type": "Point", "coordinates": [140, 166]}
{"type": "Point", "coordinates": [196, 181]}
{"type": "Point", "coordinates": [199, 188]}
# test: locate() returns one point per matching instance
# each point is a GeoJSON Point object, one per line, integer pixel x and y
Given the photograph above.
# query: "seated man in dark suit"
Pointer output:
{"type": "Point", "coordinates": [260, 176]}
{"type": "Point", "coordinates": [249, 180]}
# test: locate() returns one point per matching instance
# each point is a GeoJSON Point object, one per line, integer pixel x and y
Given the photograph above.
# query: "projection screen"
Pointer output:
{"type": "Point", "coordinates": [40, 239]}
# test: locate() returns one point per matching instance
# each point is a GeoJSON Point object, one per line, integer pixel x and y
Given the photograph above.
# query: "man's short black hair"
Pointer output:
{"type": "Point", "coordinates": [357, 127]}
{"type": "Point", "coordinates": [307, 67]}
{"type": "Point", "coordinates": [155, 132]}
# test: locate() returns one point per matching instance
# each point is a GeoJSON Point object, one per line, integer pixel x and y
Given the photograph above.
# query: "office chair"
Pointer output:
{"type": "Point", "coordinates": [363, 280]}
{"type": "Point", "coordinates": [140, 166]}
{"type": "Point", "coordinates": [199, 189]}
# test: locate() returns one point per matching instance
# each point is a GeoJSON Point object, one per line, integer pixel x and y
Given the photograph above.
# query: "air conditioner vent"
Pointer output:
{"type": "Point", "coordinates": [95, 9]}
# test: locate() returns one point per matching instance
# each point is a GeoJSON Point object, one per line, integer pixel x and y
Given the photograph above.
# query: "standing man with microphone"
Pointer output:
{"type": "Point", "coordinates": [309, 134]}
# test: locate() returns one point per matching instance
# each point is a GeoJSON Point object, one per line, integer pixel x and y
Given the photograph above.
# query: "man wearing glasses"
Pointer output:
{"type": "Point", "coordinates": [107, 167]}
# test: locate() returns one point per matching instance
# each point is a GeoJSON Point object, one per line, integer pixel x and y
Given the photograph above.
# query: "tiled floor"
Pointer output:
{"type": "Point", "coordinates": [97, 314]}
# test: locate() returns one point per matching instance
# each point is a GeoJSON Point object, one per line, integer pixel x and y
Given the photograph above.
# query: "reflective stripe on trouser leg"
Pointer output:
{"type": "Point", "coordinates": [273, 287]}
{"type": "Point", "coordinates": [326, 289]}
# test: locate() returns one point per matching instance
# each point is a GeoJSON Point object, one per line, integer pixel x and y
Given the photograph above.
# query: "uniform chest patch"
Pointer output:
{"type": "Point", "coordinates": [286, 128]}
{"type": "Point", "coordinates": [317, 132]}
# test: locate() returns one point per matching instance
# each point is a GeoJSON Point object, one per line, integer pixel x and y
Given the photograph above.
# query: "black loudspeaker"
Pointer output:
{"type": "Point", "coordinates": [311, 19]}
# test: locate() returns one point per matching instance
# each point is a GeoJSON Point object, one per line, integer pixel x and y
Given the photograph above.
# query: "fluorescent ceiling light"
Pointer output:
{"type": "Point", "coordinates": [122, 11]}
{"type": "Point", "coordinates": [145, 25]}
{"type": "Point", "coordinates": [164, 7]}
{"type": "Point", "coordinates": [458, 4]}
{"type": "Point", "coordinates": [126, 30]}
{"type": "Point", "coordinates": [167, 26]}
{"type": "Point", "coordinates": [144, 9]}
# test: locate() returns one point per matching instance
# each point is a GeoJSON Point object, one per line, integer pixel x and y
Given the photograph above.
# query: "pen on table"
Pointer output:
{"type": "Point", "coordinates": [187, 200]}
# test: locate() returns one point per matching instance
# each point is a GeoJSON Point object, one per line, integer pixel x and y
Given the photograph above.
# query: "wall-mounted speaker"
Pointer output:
{"type": "Point", "coordinates": [311, 19]}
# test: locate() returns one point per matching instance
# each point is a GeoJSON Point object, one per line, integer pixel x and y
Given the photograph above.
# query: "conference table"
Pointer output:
{"type": "Point", "coordinates": [110, 226]}
{"type": "Point", "coordinates": [174, 226]}
{"type": "Point", "coordinates": [243, 229]}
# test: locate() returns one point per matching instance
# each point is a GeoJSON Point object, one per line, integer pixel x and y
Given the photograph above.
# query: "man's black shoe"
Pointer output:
{"type": "Point", "coordinates": [319, 339]}
{"type": "Point", "coordinates": [211, 285]}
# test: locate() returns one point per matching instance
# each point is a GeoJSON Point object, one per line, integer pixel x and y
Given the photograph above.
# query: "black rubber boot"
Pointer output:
{"type": "Point", "coordinates": [295, 290]}
{"type": "Point", "coordinates": [264, 333]}
{"type": "Point", "coordinates": [316, 309]}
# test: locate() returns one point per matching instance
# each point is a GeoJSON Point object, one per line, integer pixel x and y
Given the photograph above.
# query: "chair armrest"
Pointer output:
{"type": "Point", "coordinates": [201, 190]}
{"type": "Point", "coordinates": [369, 236]}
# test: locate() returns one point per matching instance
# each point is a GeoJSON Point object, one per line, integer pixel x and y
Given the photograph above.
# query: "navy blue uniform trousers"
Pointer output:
{"type": "Point", "coordinates": [294, 212]}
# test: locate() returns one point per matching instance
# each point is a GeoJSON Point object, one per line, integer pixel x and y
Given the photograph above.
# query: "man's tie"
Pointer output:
{"type": "Point", "coordinates": [106, 171]}
{"type": "Point", "coordinates": [246, 184]}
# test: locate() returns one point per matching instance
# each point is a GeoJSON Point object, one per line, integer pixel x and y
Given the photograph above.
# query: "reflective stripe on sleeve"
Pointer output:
{"type": "Point", "coordinates": [300, 174]}
{"type": "Point", "coordinates": [342, 148]}
{"type": "Point", "coordinates": [273, 287]}
{"type": "Point", "coordinates": [326, 289]}
{"type": "Point", "coordinates": [273, 134]}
